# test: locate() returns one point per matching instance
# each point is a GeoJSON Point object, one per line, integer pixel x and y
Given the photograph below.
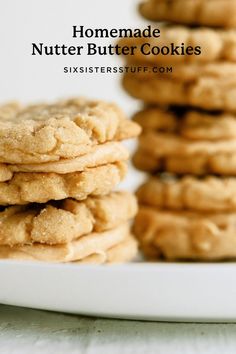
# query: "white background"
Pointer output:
{"type": "Point", "coordinates": [26, 77]}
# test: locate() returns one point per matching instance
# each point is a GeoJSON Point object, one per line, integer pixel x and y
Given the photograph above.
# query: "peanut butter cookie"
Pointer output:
{"type": "Point", "coordinates": [212, 13]}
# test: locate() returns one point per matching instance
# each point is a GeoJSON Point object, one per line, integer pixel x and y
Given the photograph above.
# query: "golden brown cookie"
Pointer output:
{"type": "Point", "coordinates": [206, 86]}
{"type": "Point", "coordinates": [78, 249]}
{"type": "Point", "coordinates": [190, 124]}
{"type": "Point", "coordinates": [66, 220]}
{"type": "Point", "coordinates": [190, 45]}
{"type": "Point", "coordinates": [172, 153]}
{"type": "Point", "coordinates": [102, 154]}
{"type": "Point", "coordinates": [65, 129]}
{"type": "Point", "coordinates": [123, 252]}
{"type": "Point", "coordinates": [31, 187]}
{"type": "Point", "coordinates": [166, 144]}
{"type": "Point", "coordinates": [212, 13]}
{"type": "Point", "coordinates": [198, 164]}
{"type": "Point", "coordinates": [186, 235]}
{"type": "Point", "coordinates": [209, 194]}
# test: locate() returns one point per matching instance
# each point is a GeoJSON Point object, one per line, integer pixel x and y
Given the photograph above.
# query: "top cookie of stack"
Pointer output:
{"type": "Point", "coordinates": [59, 164]}
{"type": "Point", "coordinates": [64, 130]}
{"type": "Point", "coordinates": [46, 149]}
{"type": "Point", "coordinates": [188, 128]}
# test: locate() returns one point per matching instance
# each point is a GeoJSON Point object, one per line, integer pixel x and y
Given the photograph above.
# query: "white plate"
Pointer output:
{"type": "Point", "coordinates": [169, 292]}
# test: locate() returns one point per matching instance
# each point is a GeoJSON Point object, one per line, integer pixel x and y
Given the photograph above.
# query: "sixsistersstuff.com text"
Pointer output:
{"type": "Point", "coordinates": [117, 69]}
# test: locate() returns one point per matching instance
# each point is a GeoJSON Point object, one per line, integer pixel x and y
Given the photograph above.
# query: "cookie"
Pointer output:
{"type": "Point", "coordinates": [197, 164]}
{"type": "Point", "coordinates": [212, 13]}
{"type": "Point", "coordinates": [31, 187]}
{"type": "Point", "coordinates": [146, 162]}
{"type": "Point", "coordinates": [164, 144]}
{"type": "Point", "coordinates": [100, 155]}
{"type": "Point", "coordinates": [186, 235]}
{"type": "Point", "coordinates": [190, 124]}
{"type": "Point", "coordinates": [171, 153]}
{"type": "Point", "coordinates": [63, 130]}
{"type": "Point", "coordinates": [78, 249]}
{"type": "Point", "coordinates": [121, 253]}
{"type": "Point", "coordinates": [96, 258]}
{"type": "Point", "coordinates": [215, 45]}
{"type": "Point", "coordinates": [211, 194]}
{"type": "Point", "coordinates": [64, 221]}
{"type": "Point", "coordinates": [206, 86]}
{"type": "Point", "coordinates": [124, 252]}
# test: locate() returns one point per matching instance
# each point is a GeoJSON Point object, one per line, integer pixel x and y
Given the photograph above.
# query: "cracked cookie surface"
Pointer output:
{"type": "Point", "coordinates": [66, 129]}
{"type": "Point", "coordinates": [29, 187]}
{"type": "Point", "coordinates": [61, 222]}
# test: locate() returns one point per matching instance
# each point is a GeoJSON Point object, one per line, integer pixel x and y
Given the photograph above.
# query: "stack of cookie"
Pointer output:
{"type": "Point", "coordinates": [188, 145]}
{"type": "Point", "coordinates": [59, 165]}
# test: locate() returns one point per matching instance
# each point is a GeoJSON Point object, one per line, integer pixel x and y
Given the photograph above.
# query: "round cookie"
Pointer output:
{"type": "Point", "coordinates": [78, 249]}
{"type": "Point", "coordinates": [175, 154]}
{"type": "Point", "coordinates": [66, 129]}
{"type": "Point", "coordinates": [212, 13]}
{"type": "Point", "coordinates": [188, 123]}
{"type": "Point", "coordinates": [213, 45]}
{"type": "Point", "coordinates": [201, 165]}
{"type": "Point", "coordinates": [64, 221]}
{"type": "Point", "coordinates": [100, 155]}
{"type": "Point", "coordinates": [186, 235]}
{"type": "Point", "coordinates": [24, 188]}
{"type": "Point", "coordinates": [209, 194]}
{"type": "Point", "coordinates": [206, 86]}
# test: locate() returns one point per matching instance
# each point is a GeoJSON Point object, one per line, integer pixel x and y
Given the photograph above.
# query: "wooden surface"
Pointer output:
{"type": "Point", "coordinates": [30, 331]}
